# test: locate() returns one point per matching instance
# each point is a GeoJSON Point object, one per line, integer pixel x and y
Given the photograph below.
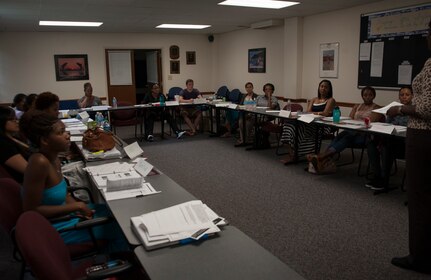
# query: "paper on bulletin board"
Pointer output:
{"type": "Point", "coordinates": [405, 73]}
{"type": "Point", "coordinates": [377, 59]}
{"type": "Point", "coordinates": [365, 52]}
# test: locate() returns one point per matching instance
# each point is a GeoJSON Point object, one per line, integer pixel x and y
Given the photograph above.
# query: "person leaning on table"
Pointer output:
{"type": "Point", "coordinates": [89, 100]}
{"type": "Point", "coordinates": [418, 170]}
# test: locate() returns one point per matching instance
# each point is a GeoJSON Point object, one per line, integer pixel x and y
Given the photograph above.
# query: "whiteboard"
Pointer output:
{"type": "Point", "coordinates": [120, 68]}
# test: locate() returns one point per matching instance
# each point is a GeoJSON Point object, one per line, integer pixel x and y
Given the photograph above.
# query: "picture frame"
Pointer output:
{"type": "Point", "coordinates": [328, 60]}
{"type": "Point", "coordinates": [174, 52]}
{"type": "Point", "coordinates": [257, 60]}
{"type": "Point", "coordinates": [71, 67]}
{"type": "Point", "coordinates": [175, 67]}
{"type": "Point", "coordinates": [191, 57]}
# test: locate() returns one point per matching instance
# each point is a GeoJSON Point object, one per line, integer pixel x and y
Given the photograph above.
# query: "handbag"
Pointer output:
{"type": "Point", "coordinates": [97, 140]}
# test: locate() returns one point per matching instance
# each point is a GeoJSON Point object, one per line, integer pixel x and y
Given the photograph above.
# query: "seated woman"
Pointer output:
{"type": "Point", "coordinates": [18, 104]}
{"type": "Point", "coordinates": [48, 102]}
{"type": "Point", "coordinates": [30, 102]}
{"type": "Point", "coordinates": [323, 163]}
{"type": "Point", "coordinates": [151, 114]}
{"type": "Point", "coordinates": [45, 190]}
{"type": "Point", "coordinates": [250, 96]}
{"type": "Point", "coordinates": [321, 105]}
{"type": "Point", "coordinates": [13, 153]}
{"type": "Point", "coordinates": [89, 100]}
{"type": "Point", "coordinates": [385, 149]}
{"type": "Point", "coordinates": [265, 123]}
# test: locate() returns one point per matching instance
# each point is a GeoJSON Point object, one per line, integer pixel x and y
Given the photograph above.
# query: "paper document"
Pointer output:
{"type": "Point", "coordinates": [308, 118]}
{"type": "Point", "coordinates": [133, 150]}
{"type": "Point", "coordinates": [272, 111]}
{"type": "Point", "coordinates": [189, 220]}
{"type": "Point", "coordinates": [109, 168]}
{"type": "Point", "coordinates": [224, 104]}
{"type": "Point", "coordinates": [113, 153]}
{"type": "Point", "coordinates": [284, 113]}
{"type": "Point", "coordinates": [146, 189]}
{"type": "Point", "coordinates": [382, 127]}
{"type": "Point", "coordinates": [330, 119]}
{"type": "Point", "coordinates": [383, 110]}
{"type": "Point", "coordinates": [200, 101]}
{"type": "Point", "coordinates": [232, 106]}
{"type": "Point", "coordinates": [100, 108]}
{"type": "Point", "coordinates": [143, 167]}
{"type": "Point", "coordinates": [172, 103]}
{"type": "Point", "coordinates": [76, 138]}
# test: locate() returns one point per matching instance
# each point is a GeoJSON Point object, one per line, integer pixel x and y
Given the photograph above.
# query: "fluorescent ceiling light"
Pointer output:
{"type": "Point", "coordinates": [269, 4]}
{"type": "Point", "coordinates": [70, 23]}
{"type": "Point", "coordinates": [183, 26]}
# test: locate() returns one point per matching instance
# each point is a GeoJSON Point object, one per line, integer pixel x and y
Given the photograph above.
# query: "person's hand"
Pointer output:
{"type": "Point", "coordinates": [84, 210]}
{"type": "Point", "coordinates": [394, 111]}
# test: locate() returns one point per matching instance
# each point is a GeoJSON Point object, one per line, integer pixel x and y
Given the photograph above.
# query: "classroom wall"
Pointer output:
{"type": "Point", "coordinates": [295, 68]}
{"type": "Point", "coordinates": [27, 60]}
{"type": "Point", "coordinates": [341, 26]}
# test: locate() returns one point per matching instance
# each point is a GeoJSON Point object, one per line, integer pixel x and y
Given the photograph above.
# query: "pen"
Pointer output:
{"type": "Point", "coordinates": [98, 152]}
{"type": "Point", "coordinates": [190, 240]}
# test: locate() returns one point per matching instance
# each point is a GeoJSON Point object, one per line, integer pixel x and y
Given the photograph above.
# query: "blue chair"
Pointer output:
{"type": "Point", "coordinates": [69, 104]}
{"type": "Point", "coordinates": [173, 91]}
{"type": "Point", "coordinates": [235, 96]}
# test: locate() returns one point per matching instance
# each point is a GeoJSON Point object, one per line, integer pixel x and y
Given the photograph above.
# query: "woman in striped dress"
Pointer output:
{"type": "Point", "coordinates": [322, 105]}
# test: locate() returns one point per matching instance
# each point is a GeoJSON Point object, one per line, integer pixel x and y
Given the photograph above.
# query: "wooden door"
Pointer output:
{"type": "Point", "coordinates": [120, 73]}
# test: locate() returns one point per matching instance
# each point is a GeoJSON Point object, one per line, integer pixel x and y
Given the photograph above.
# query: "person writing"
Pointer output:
{"type": "Point", "coordinates": [190, 113]}
{"type": "Point", "coordinates": [89, 100]}
{"type": "Point", "coordinates": [418, 166]}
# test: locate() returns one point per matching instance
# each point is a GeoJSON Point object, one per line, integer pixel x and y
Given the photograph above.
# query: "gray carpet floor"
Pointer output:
{"type": "Point", "coordinates": [324, 227]}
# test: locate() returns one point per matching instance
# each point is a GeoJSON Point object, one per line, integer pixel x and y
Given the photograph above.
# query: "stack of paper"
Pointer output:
{"type": "Point", "coordinates": [177, 224]}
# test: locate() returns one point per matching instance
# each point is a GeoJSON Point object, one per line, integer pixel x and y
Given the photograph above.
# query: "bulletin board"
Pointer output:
{"type": "Point", "coordinates": [393, 46]}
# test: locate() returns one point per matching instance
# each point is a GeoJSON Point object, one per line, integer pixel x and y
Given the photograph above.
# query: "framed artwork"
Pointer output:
{"type": "Point", "coordinates": [257, 60]}
{"type": "Point", "coordinates": [174, 52]}
{"type": "Point", "coordinates": [71, 67]}
{"type": "Point", "coordinates": [191, 57]}
{"type": "Point", "coordinates": [175, 67]}
{"type": "Point", "coordinates": [328, 65]}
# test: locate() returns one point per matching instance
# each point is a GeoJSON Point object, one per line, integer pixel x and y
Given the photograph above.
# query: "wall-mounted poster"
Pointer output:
{"type": "Point", "coordinates": [328, 66]}
{"type": "Point", "coordinates": [71, 67]}
{"type": "Point", "coordinates": [175, 67]}
{"type": "Point", "coordinates": [257, 60]}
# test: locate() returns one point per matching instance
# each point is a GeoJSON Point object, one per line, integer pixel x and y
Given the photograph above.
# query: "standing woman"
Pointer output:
{"type": "Point", "coordinates": [418, 166]}
{"type": "Point", "coordinates": [321, 105]}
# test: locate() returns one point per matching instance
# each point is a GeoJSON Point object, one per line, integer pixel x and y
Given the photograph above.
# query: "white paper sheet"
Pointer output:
{"type": "Point", "coordinates": [377, 59]}
{"type": "Point", "coordinates": [364, 51]}
{"type": "Point", "coordinates": [147, 189]}
{"type": "Point", "coordinates": [383, 110]}
{"type": "Point", "coordinates": [143, 167]}
{"type": "Point", "coordinates": [382, 128]}
{"type": "Point", "coordinates": [133, 150]}
{"type": "Point", "coordinates": [284, 113]}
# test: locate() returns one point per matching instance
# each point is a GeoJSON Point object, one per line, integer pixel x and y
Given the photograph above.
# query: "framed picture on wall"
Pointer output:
{"type": "Point", "coordinates": [174, 52]}
{"type": "Point", "coordinates": [328, 57]}
{"type": "Point", "coordinates": [191, 57]}
{"type": "Point", "coordinates": [257, 60]}
{"type": "Point", "coordinates": [175, 67]}
{"type": "Point", "coordinates": [71, 67]}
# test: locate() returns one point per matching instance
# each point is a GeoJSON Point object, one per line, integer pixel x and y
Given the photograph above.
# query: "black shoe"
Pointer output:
{"type": "Point", "coordinates": [241, 145]}
{"type": "Point", "coordinates": [408, 263]}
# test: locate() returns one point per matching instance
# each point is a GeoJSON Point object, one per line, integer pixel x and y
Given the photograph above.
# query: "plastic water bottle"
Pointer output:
{"type": "Point", "coordinates": [288, 105]}
{"type": "Point", "coordinates": [114, 102]}
{"type": "Point", "coordinates": [162, 100]}
{"type": "Point", "coordinates": [99, 119]}
{"type": "Point", "coordinates": [106, 126]}
{"type": "Point", "coordinates": [336, 114]}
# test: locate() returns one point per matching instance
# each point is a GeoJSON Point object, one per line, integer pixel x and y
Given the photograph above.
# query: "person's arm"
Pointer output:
{"type": "Point", "coordinates": [274, 104]}
{"type": "Point", "coordinates": [353, 112]}
{"type": "Point", "coordinates": [35, 177]}
{"type": "Point", "coordinates": [17, 162]}
{"type": "Point", "coordinates": [330, 104]}
{"type": "Point", "coordinates": [310, 105]}
{"type": "Point", "coordinates": [376, 117]}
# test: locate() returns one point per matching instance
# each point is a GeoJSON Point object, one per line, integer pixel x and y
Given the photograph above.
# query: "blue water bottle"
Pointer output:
{"type": "Point", "coordinates": [162, 100]}
{"type": "Point", "coordinates": [114, 102]}
{"type": "Point", "coordinates": [336, 114]}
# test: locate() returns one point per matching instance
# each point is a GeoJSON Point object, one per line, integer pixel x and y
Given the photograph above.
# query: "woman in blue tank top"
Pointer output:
{"type": "Point", "coordinates": [45, 189]}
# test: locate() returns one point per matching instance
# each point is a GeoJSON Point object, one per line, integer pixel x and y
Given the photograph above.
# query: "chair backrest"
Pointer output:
{"type": "Point", "coordinates": [294, 107]}
{"type": "Point", "coordinates": [123, 114]}
{"type": "Point", "coordinates": [10, 203]}
{"type": "Point", "coordinates": [173, 91]}
{"type": "Point", "coordinates": [222, 92]}
{"type": "Point", "coordinates": [43, 248]}
{"type": "Point", "coordinates": [68, 104]}
{"type": "Point", "coordinates": [235, 96]}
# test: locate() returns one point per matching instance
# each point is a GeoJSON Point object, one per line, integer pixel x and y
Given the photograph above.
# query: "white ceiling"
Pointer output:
{"type": "Point", "coordinates": [144, 15]}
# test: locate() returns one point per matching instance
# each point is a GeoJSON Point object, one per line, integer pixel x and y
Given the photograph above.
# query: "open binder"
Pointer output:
{"type": "Point", "coordinates": [179, 224]}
